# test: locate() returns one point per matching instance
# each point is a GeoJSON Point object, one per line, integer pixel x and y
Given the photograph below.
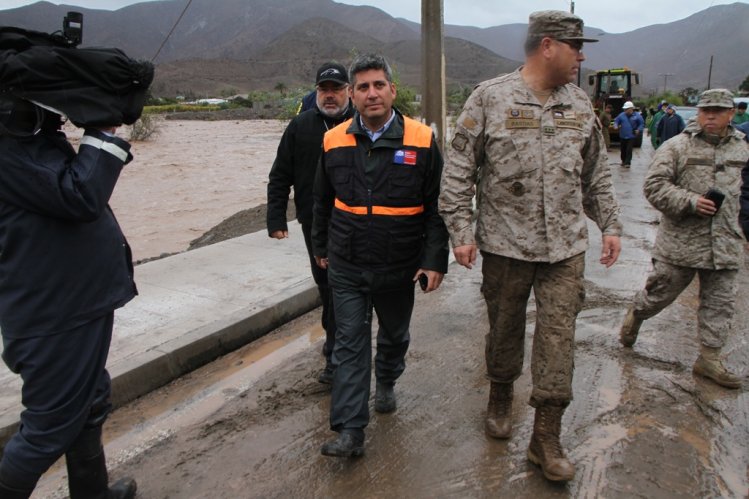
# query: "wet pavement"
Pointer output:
{"type": "Point", "coordinates": [641, 425]}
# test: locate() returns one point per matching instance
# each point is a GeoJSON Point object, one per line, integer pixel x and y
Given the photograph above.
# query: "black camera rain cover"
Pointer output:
{"type": "Point", "coordinates": [91, 86]}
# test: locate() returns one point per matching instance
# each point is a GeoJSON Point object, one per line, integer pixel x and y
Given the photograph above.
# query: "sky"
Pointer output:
{"type": "Point", "coordinates": [612, 16]}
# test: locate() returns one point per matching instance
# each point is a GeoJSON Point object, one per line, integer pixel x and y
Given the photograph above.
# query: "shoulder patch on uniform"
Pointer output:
{"type": "Point", "coordinates": [459, 142]}
{"type": "Point", "coordinates": [469, 123]}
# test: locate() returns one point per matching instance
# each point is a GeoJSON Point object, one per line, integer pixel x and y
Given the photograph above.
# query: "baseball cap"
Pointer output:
{"type": "Point", "coordinates": [628, 105]}
{"type": "Point", "coordinates": [332, 71]}
{"type": "Point", "coordinates": [557, 24]}
{"type": "Point", "coordinates": [716, 97]}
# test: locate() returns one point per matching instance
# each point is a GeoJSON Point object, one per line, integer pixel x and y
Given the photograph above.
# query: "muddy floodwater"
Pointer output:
{"type": "Point", "coordinates": [190, 176]}
{"type": "Point", "coordinates": [250, 425]}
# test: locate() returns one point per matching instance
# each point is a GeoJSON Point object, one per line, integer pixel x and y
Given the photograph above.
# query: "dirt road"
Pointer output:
{"type": "Point", "coordinates": [641, 425]}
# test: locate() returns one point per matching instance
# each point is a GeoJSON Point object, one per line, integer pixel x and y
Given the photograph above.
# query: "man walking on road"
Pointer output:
{"type": "Point", "coordinates": [535, 139]}
{"type": "Point", "coordinates": [694, 181]}
{"type": "Point", "coordinates": [377, 231]}
{"type": "Point", "coordinates": [630, 126]}
{"type": "Point", "coordinates": [295, 165]}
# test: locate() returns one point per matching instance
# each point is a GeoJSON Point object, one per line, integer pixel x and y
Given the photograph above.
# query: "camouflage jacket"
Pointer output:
{"type": "Point", "coordinates": [538, 170]}
{"type": "Point", "coordinates": [682, 170]}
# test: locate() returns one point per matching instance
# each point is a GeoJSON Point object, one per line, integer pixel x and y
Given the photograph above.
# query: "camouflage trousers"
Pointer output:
{"type": "Point", "coordinates": [559, 292]}
{"type": "Point", "coordinates": [717, 298]}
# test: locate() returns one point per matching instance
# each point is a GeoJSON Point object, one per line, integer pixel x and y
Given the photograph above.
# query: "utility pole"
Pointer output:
{"type": "Point", "coordinates": [433, 68]}
{"type": "Point", "coordinates": [579, 66]}
{"type": "Point", "coordinates": [710, 73]}
{"type": "Point", "coordinates": [665, 80]}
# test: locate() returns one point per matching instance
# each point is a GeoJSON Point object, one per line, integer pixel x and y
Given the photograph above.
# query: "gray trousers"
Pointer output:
{"type": "Point", "coordinates": [717, 298]}
{"type": "Point", "coordinates": [355, 295]}
{"type": "Point", "coordinates": [559, 292]}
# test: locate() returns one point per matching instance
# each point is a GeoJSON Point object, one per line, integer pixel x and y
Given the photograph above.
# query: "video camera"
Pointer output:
{"type": "Point", "coordinates": [91, 86]}
{"type": "Point", "coordinates": [72, 28]}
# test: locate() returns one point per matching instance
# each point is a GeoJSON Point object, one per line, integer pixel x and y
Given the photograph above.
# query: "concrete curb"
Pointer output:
{"type": "Point", "coordinates": [133, 378]}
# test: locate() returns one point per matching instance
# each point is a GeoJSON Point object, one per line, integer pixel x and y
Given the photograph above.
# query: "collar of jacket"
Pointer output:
{"type": "Point", "coordinates": [394, 132]}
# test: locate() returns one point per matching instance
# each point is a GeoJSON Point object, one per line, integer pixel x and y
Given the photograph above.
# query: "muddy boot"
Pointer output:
{"type": "Point", "coordinates": [499, 412]}
{"type": "Point", "coordinates": [384, 398]}
{"type": "Point", "coordinates": [87, 470]}
{"type": "Point", "coordinates": [545, 449]}
{"type": "Point", "coordinates": [326, 376]}
{"type": "Point", "coordinates": [710, 366]}
{"type": "Point", "coordinates": [346, 444]}
{"type": "Point", "coordinates": [630, 328]}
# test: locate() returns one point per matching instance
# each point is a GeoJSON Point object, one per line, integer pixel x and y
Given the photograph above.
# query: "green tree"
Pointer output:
{"type": "Point", "coordinates": [744, 87]}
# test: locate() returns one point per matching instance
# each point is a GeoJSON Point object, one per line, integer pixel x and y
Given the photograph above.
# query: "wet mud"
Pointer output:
{"type": "Point", "coordinates": [640, 424]}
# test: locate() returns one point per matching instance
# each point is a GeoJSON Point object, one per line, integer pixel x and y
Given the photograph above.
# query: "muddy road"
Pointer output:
{"type": "Point", "coordinates": [250, 425]}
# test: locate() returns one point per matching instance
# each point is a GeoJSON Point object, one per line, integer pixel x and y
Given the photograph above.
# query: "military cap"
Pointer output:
{"type": "Point", "coordinates": [558, 25]}
{"type": "Point", "coordinates": [716, 97]}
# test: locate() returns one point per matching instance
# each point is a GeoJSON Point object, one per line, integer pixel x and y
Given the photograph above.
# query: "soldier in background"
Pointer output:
{"type": "Point", "coordinates": [697, 234]}
{"type": "Point", "coordinates": [605, 117]}
{"type": "Point", "coordinates": [537, 141]}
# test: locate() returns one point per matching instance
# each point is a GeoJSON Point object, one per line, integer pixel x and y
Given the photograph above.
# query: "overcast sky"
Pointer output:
{"type": "Point", "coordinates": [613, 16]}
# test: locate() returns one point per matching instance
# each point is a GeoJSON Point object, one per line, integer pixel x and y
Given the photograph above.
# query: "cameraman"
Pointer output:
{"type": "Point", "coordinates": [65, 266]}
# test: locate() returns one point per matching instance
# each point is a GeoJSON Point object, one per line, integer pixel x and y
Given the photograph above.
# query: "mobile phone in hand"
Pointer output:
{"type": "Point", "coordinates": [716, 197]}
{"type": "Point", "coordinates": [423, 282]}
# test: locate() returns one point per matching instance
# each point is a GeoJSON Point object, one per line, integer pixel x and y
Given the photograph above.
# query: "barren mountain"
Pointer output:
{"type": "Point", "coordinates": [255, 44]}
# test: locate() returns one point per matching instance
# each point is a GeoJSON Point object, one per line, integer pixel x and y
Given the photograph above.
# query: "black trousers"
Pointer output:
{"type": "Point", "coordinates": [355, 296]}
{"type": "Point", "coordinates": [321, 279]}
{"type": "Point", "coordinates": [66, 387]}
{"type": "Point", "coordinates": [626, 150]}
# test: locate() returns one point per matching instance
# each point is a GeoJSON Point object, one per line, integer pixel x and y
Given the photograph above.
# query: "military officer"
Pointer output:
{"type": "Point", "coordinates": [694, 180]}
{"type": "Point", "coordinates": [535, 139]}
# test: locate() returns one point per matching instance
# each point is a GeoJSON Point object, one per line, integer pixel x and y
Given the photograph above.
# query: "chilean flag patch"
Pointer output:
{"type": "Point", "coordinates": [404, 157]}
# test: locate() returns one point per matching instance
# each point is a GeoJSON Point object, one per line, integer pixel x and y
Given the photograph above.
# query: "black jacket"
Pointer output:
{"type": "Point", "coordinates": [295, 164]}
{"type": "Point", "coordinates": [63, 258]}
{"type": "Point", "coordinates": [376, 203]}
{"type": "Point", "coordinates": [744, 213]}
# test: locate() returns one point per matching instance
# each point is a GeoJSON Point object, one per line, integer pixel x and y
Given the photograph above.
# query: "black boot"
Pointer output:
{"type": "Point", "coordinates": [9, 493]}
{"type": "Point", "coordinates": [384, 398]}
{"type": "Point", "coordinates": [87, 470]}
{"type": "Point", "coordinates": [346, 444]}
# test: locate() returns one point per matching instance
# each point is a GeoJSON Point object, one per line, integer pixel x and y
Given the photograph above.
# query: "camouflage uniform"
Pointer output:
{"type": "Point", "coordinates": [538, 169]}
{"type": "Point", "coordinates": [683, 169]}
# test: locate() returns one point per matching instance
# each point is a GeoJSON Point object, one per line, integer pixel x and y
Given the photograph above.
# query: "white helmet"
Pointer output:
{"type": "Point", "coordinates": [628, 105]}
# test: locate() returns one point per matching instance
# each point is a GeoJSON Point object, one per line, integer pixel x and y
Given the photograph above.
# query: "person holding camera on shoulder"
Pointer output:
{"type": "Point", "coordinates": [694, 180]}
{"type": "Point", "coordinates": [65, 265]}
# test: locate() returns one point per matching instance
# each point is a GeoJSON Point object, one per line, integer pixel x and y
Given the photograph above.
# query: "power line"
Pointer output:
{"type": "Point", "coordinates": [172, 30]}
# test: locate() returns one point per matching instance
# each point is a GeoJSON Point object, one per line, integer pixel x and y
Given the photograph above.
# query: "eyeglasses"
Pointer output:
{"type": "Point", "coordinates": [575, 45]}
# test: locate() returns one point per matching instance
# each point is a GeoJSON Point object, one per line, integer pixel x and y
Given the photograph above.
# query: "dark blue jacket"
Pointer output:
{"type": "Point", "coordinates": [628, 124]}
{"type": "Point", "coordinates": [63, 258]}
{"type": "Point", "coordinates": [669, 126]}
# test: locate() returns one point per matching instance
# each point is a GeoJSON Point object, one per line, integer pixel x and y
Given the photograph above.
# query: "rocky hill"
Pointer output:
{"type": "Point", "coordinates": [256, 44]}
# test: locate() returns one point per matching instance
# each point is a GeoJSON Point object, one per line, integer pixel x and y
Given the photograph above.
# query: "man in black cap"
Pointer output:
{"type": "Point", "coordinates": [295, 165]}
{"type": "Point", "coordinates": [536, 140]}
